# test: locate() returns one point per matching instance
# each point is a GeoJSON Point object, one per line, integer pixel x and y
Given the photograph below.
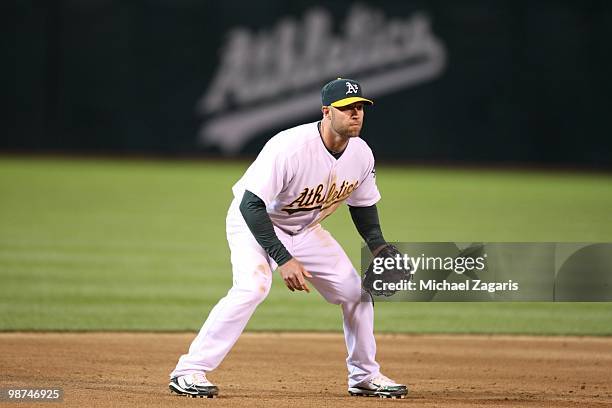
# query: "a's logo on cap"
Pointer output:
{"type": "Point", "coordinates": [351, 88]}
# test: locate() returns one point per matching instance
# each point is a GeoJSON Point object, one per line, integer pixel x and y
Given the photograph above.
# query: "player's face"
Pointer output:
{"type": "Point", "coordinates": [347, 120]}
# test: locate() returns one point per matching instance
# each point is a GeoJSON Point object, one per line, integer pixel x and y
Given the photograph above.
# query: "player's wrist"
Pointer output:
{"type": "Point", "coordinates": [284, 260]}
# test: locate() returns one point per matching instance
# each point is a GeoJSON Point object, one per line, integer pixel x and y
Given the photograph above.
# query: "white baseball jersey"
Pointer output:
{"type": "Point", "coordinates": [301, 183]}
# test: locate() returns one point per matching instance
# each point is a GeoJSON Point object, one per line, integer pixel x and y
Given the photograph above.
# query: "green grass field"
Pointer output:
{"type": "Point", "coordinates": [140, 245]}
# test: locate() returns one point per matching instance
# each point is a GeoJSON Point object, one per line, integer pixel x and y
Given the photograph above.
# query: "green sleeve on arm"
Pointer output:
{"type": "Point", "coordinates": [253, 210]}
{"type": "Point", "coordinates": [368, 225]}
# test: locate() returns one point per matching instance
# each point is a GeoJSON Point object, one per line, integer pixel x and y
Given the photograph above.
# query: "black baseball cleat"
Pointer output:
{"type": "Point", "coordinates": [194, 385]}
{"type": "Point", "coordinates": [381, 387]}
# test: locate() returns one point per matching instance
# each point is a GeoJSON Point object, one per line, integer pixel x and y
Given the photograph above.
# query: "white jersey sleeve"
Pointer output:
{"type": "Point", "coordinates": [268, 174]}
{"type": "Point", "coordinates": [366, 193]}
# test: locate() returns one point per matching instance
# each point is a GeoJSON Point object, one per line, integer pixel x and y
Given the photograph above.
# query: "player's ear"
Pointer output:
{"type": "Point", "coordinates": [325, 110]}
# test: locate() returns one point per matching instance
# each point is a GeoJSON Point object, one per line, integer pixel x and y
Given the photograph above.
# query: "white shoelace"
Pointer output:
{"type": "Point", "coordinates": [383, 380]}
{"type": "Point", "coordinates": [200, 379]}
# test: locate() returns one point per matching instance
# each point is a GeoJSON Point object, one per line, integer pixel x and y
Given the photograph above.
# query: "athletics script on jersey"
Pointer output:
{"type": "Point", "coordinates": [313, 198]}
{"type": "Point", "coordinates": [272, 77]}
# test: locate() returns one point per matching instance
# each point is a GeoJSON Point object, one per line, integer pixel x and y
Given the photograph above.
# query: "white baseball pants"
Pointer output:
{"type": "Point", "coordinates": [333, 276]}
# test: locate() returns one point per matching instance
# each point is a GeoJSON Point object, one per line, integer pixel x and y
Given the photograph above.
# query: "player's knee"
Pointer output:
{"type": "Point", "coordinates": [256, 293]}
{"type": "Point", "coordinates": [251, 283]}
{"type": "Point", "coordinates": [352, 292]}
{"type": "Point", "coordinates": [348, 294]}
{"type": "Point", "coordinates": [352, 297]}
{"type": "Point", "coordinates": [261, 293]}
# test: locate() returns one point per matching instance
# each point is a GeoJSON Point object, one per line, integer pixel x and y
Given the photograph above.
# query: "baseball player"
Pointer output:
{"type": "Point", "coordinates": [300, 177]}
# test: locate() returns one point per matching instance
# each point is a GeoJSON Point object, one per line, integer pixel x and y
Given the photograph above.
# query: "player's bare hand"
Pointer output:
{"type": "Point", "coordinates": [294, 275]}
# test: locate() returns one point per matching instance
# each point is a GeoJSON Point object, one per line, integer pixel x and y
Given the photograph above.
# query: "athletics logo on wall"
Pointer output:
{"type": "Point", "coordinates": [273, 77]}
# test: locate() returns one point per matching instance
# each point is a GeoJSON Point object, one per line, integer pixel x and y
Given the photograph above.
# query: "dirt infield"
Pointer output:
{"type": "Point", "coordinates": [269, 370]}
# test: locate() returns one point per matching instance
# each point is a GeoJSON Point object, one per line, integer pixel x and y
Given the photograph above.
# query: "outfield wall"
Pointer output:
{"type": "Point", "coordinates": [468, 81]}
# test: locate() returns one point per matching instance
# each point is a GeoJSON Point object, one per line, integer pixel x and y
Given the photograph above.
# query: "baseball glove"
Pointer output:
{"type": "Point", "coordinates": [379, 278]}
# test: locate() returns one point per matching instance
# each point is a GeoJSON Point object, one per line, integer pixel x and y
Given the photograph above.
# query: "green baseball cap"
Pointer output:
{"type": "Point", "coordinates": [341, 92]}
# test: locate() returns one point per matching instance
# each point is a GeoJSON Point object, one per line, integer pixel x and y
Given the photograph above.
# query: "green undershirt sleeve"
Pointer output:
{"type": "Point", "coordinates": [253, 210]}
{"type": "Point", "coordinates": [368, 225]}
